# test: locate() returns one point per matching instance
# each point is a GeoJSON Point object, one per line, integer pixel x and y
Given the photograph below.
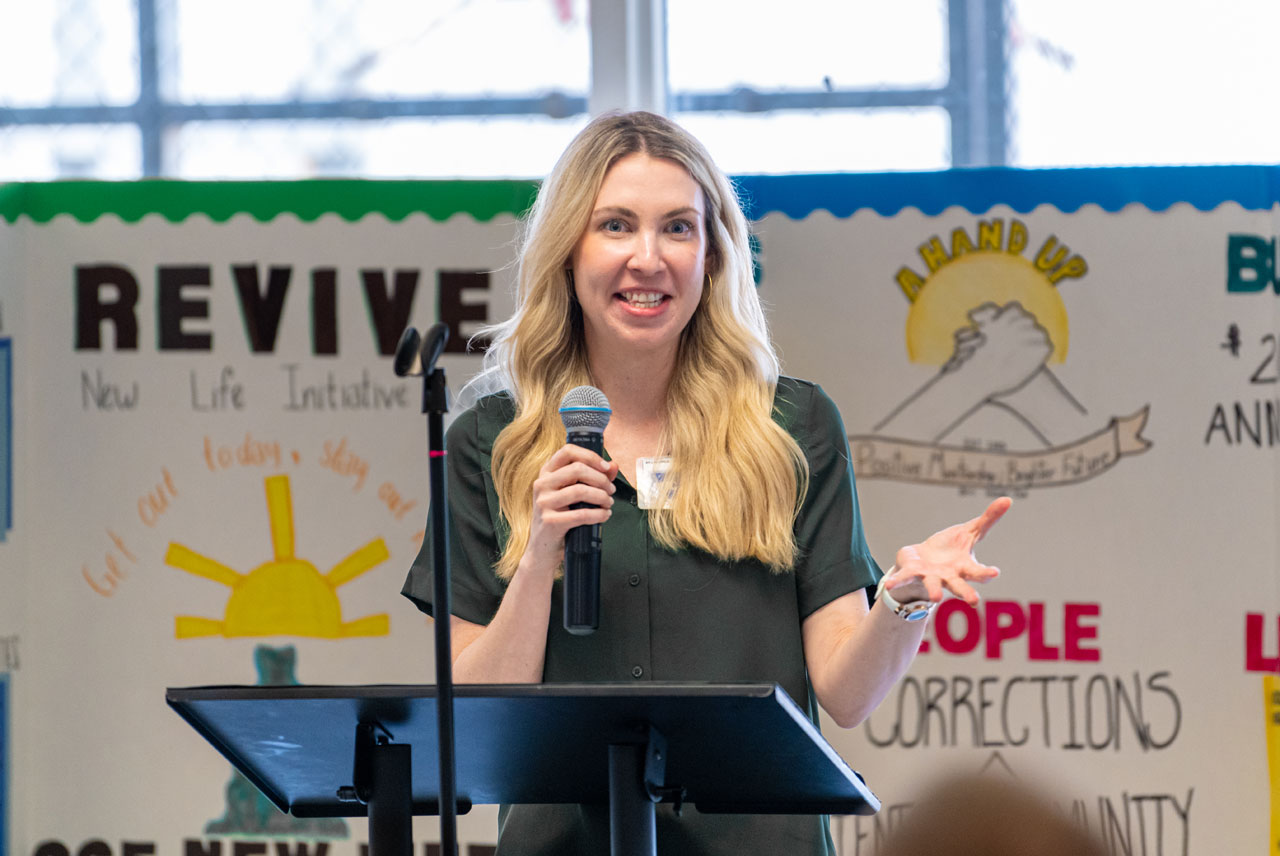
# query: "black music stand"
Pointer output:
{"type": "Point", "coordinates": [340, 751]}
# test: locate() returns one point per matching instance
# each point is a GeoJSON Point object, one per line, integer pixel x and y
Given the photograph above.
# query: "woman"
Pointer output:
{"type": "Point", "coordinates": [635, 277]}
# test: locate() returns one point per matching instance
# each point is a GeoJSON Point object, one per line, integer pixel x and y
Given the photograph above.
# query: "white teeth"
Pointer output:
{"type": "Point", "coordinates": [643, 299]}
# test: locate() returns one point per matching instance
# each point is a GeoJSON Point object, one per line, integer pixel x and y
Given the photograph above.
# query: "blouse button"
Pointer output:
{"type": "Point", "coordinates": [637, 672]}
{"type": "Point", "coordinates": [634, 579]}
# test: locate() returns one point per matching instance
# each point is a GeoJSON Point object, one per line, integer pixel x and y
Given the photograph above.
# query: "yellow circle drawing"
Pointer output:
{"type": "Point", "coordinates": [286, 596]}
{"type": "Point", "coordinates": [965, 283]}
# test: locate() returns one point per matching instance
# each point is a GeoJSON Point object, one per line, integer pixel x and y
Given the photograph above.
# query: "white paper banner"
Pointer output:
{"type": "Point", "coordinates": [213, 477]}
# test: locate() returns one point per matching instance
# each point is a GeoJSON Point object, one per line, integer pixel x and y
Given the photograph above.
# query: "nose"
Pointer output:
{"type": "Point", "coordinates": [646, 258]}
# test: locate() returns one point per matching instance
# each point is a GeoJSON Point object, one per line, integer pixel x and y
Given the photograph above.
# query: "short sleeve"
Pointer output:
{"type": "Point", "coordinates": [474, 545]}
{"type": "Point", "coordinates": [834, 556]}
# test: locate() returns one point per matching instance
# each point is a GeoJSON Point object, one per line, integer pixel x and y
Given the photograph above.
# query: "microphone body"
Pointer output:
{"type": "Point", "coordinates": [585, 413]}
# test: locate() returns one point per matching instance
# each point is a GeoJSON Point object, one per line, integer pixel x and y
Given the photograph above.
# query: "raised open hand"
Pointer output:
{"type": "Point", "coordinates": [944, 562]}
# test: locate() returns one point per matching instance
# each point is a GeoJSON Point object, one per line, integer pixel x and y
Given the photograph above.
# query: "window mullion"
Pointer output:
{"type": "Point", "coordinates": [628, 55]}
{"type": "Point", "coordinates": [150, 111]}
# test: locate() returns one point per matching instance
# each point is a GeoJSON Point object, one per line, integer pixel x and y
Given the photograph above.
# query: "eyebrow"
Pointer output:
{"type": "Point", "coordinates": [627, 212]}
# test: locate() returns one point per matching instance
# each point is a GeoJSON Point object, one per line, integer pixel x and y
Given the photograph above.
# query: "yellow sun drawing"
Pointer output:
{"type": "Point", "coordinates": [966, 282]}
{"type": "Point", "coordinates": [286, 596]}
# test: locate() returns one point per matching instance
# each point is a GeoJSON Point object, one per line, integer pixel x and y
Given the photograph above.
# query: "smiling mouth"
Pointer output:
{"type": "Point", "coordinates": [642, 299]}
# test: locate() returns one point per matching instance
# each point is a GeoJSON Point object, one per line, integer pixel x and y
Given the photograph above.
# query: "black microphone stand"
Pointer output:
{"type": "Point", "coordinates": [410, 360]}
{"type": "Point", "coordinates": [435, 403]}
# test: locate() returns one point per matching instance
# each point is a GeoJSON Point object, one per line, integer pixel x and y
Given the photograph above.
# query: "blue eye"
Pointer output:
{"type": "Point", "coordinates": [612, 225]}
{"type": "Point", "coordinates": [681, 227]}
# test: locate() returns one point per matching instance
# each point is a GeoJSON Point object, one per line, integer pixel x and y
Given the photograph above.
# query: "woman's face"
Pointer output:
{"type": "Point", "coordinates": [638, 268]}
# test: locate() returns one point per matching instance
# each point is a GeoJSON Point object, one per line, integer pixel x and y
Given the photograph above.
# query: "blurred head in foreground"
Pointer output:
{"type": "Point", "coordinates": [976, 815]}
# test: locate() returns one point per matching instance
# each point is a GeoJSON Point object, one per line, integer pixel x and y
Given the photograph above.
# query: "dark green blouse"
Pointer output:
{"type": "Point", "coordinates": [668, 615]}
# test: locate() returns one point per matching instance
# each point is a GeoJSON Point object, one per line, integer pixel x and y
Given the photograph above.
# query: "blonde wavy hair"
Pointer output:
{"type": "Point", "coordinates": [742, 477]}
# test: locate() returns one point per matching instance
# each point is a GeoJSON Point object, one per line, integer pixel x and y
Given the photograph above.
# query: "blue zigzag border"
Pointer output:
{"type": "Point", "coordinates": [1111, 188]}
{"type": "Point", "coordinates": [1254, 188]}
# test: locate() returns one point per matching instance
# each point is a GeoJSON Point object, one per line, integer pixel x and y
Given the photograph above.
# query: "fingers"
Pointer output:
{"type": "Point", "coordinates": [1010, 313]}
{"type": "Point", "coordinates": [964, 591]}
{"type": "Point", "coordinates": [968, 571]}
{"type": "Point", "coordinates": [570, 454]}
{"type": "Point", "coordinates": [573, 464]}
{"type": "Point", "coordinates": [938, 587]}
{"type": "Point", "coordinates": [936, 570]}
{"type": "Point", "coordinates": [961, 585]}
{"type": "Point", "coordinates": [573, 475]}
{"type": "Point", "coordinates": [1012, 316]}
{"type": "Point", "coordinates": [982, 524]}
{"type": "Point", "coordinates": [984, 314]}
{"type": "Point", "coordinates": [967, 340]}
{"type": "Point", "coordinates": [548, 500]}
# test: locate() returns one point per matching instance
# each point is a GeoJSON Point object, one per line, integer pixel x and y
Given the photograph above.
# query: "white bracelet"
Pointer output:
{"type": "Point", "coordinates": [916, 610]}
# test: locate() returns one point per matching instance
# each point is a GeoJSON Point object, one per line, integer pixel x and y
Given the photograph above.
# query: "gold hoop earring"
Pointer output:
{"type": "Point", "coordinates": [710, 283]}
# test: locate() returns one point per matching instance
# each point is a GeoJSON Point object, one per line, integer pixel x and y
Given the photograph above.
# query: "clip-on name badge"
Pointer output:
{"type": "Point", "coordinates": [653, 490]}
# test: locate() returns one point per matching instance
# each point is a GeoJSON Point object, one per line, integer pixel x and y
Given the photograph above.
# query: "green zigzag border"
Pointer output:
{"type": "Point", "coordinates": [351, 199]}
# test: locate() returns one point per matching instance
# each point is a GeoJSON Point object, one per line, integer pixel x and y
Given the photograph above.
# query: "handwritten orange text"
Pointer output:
{"type": "Point", "coordinates": [115, 559]}
{"type": "Point", "coordinates": [344, 462]}
{"type": "Point", "coordinates": [156, 501]}
{"type": "Point", "coordinates": [392, 499]}
{"type": "Point", "coordinates": [248, 453]}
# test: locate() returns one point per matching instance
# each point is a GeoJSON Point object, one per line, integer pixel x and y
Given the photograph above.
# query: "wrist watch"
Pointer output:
{"type": "Point", "coordinates": [916, 610]}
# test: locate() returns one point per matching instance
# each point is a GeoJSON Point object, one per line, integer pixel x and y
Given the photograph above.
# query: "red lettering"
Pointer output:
{"type": "Point", "coordinates": [998, 631]}
{"type": "Point", "coordinates": [942, 629]}
{"type": "Point", "coordinates": [1254, 660]}
{"type": "Point", "coordinates": [1036, 649]}
{"type": "Point", "coordinates": [998, 621]}
{"type": "Point", "coordinates": [1077, 632]}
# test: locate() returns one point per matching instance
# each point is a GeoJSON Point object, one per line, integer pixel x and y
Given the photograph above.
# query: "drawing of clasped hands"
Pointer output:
{"type": "Point", "coordinates": [1006, 351]}
{"type": "Point", "coordinates": [999, 360]}
{"type": "Point", "coordinates": [1001, 351]}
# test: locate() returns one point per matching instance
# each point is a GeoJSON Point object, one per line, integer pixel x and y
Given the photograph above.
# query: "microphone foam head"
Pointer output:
{"type": "Point", "coordinates": [584, 408]}
{"type": "Point", "coordinates": [408, 362]}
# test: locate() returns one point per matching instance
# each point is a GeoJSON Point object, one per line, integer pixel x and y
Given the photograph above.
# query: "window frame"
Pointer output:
{"type": "Point", "coordinates": [629, 71]}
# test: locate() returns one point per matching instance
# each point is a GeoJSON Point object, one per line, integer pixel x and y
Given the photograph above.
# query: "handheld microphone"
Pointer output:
{"type": "Point", "coordinates": [585, 413]}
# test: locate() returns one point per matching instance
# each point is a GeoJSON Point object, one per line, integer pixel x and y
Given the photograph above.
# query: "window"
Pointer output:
{"type": "Point", "coordinates": [495, 88]}
{"type": "Point", "coordinates": [313, 88]}
{"type": "Point", "coordinates": [813, 86]}
{"type": "Point", "coordinates": [1143, 82]}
